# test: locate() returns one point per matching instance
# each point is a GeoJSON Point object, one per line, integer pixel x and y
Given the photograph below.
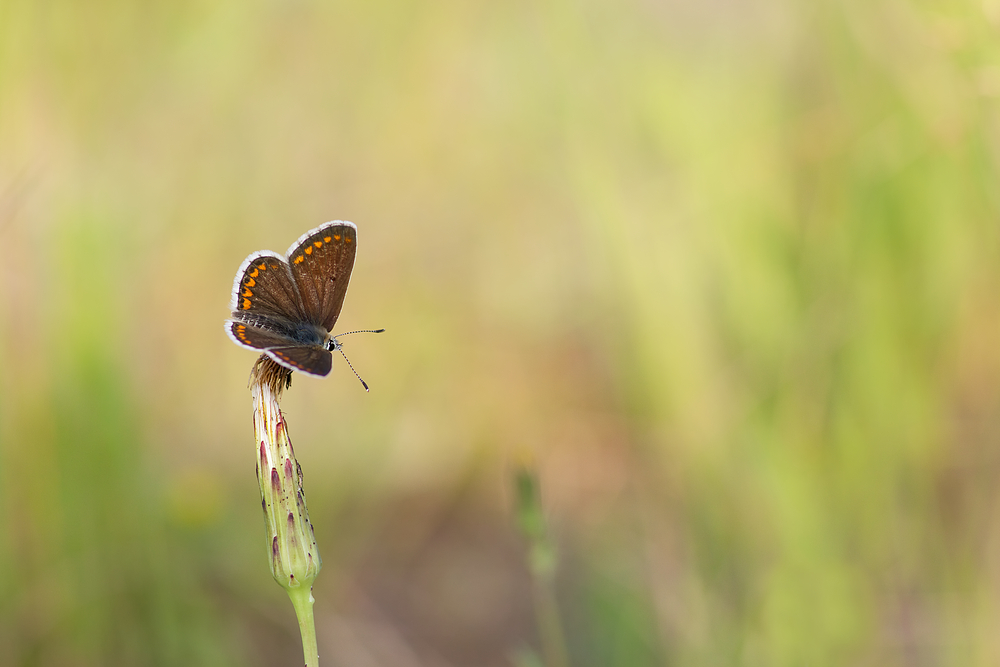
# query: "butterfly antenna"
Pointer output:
{"type": "Point", "coordinates": [363, 383]}
{"type": "Point", "coordinates": [335, 345]}
{"type": "Point", "coordinates": [360, 331]}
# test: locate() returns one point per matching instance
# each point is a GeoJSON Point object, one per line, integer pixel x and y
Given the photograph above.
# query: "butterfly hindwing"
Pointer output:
{"type": "Point", "coordinates": [321, 262]}
{"type": "Point", "coordinates": [313, 360]}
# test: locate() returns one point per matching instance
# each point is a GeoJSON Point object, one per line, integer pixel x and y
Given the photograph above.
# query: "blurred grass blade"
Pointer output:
{"type": "Point", "coordinates": [542, 563]}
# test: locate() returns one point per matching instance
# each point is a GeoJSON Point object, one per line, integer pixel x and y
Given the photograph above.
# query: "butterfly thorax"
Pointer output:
{"type": "Point", "coordinates": [310, 334]}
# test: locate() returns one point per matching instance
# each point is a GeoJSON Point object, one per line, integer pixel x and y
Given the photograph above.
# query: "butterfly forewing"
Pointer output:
{"type": "Point", "coordinates": [264, 286]}
{"type": "Point", "coordinates": [321, 263]}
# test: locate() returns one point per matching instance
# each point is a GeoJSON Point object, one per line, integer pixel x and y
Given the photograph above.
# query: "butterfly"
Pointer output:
{"type": "Point", "coordinates": [287, 305]}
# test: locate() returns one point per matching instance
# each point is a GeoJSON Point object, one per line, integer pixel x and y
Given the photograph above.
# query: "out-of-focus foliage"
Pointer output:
{"type": "Point", "coordinates": [729, 270]}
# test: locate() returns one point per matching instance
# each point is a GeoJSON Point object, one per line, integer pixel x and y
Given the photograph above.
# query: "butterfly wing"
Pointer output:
{"type": "Point", "coordinates": [321, 262]}
{"type": "Point", "coordinates": [313, 360]}
{"type": "Point", "coordinates": [264, 286]}
{"type": "Point", "coordinates": [257, 337]}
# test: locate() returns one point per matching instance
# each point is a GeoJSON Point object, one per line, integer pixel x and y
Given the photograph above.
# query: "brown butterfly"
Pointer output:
{"type": "Point", "coordinates": [286, 306]}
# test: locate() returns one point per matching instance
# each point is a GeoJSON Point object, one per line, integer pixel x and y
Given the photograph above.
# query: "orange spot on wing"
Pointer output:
{"type": "Point", "coordinates": [253, 274]}
{"type": "Point", "coordinates": [247, 292]}
{"type": "Point", "coordinates": [250, 282]}
{"type": "Point", "coordinates": [263, 267]}
{"type": "Point", "coordinates": [326, 238]}
{"type": "Point", "coordinates": [246, 304]}
{"type": "Point", "coordinates": [299, 259]}
{"type": "Point", "coordinates": [309, 250]}
{"type": "Point", "coordinates": [289, 360]}
{"type": "Point", "coordinates": [336, 236]}
{"type": "Point", "coordinates": [347, 240]}
{"type": "Point", "coordinates": [317, 243]}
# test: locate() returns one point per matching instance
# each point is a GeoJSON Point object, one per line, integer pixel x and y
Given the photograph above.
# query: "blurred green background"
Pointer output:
{"type": "Point", "coordinates": [727, 272]}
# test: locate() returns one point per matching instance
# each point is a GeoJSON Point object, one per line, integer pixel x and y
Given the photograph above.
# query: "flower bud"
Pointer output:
{"type": "Point", "coordinates": [295, 559]}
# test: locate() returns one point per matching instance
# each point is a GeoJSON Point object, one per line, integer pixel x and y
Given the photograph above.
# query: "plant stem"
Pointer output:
{"type": "Point", "coordinates": [549, 624]}
{"type": "Point", "coordinates": [542, 562]}
{"type": "Point", "coordinates": [302, 600]}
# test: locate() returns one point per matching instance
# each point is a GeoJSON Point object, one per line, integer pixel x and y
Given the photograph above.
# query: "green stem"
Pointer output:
{"type": "Point", "coordinates": [302, 600]}
{"type": "Point", "coordinates": [549, 625]}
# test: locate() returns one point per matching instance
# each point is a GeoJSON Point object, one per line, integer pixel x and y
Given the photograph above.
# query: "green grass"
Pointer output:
{"type": "Point", "coordinates": [730, 270]}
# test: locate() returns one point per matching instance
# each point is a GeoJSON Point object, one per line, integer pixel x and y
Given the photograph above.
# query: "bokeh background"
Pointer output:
{"type": "Point", "coordinates": [724, 275]}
